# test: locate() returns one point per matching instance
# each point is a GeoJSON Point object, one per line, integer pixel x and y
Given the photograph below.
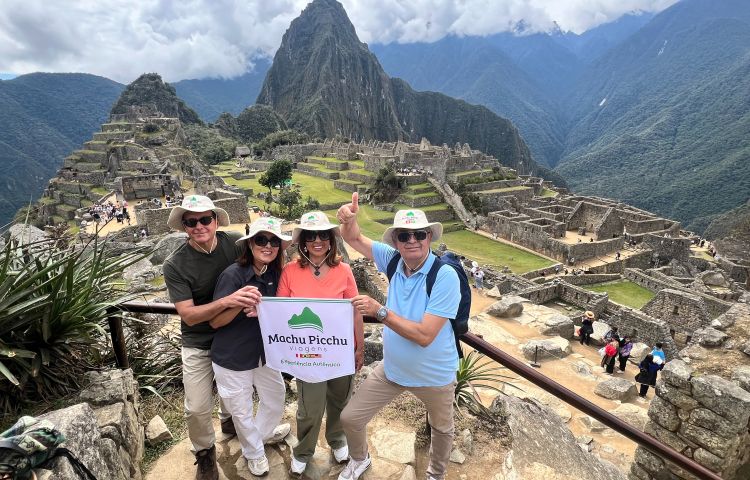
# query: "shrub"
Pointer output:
{"type": "Point", "coordinates": [386, 187]}
{"type": "Point", "coordinates": [150, 128]}
{"type": "Point", "coordinates": [472, 374]}
{"type": "Point", "coordinates": [53, 304]}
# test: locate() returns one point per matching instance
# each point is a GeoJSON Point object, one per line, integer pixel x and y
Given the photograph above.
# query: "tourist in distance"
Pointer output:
{"type": "Point", "coordinates": [587, 327]}
{"type": "Point", "coordinates": [479, 278]}
{"type": "Point", "coordinates": [612, 335]}
{"type": "Point", "coordinates": [625, 349]}
{"type": "Point", "coordinates": [190, 273]}
{"type": "Point", "coordinates": [318, 272]}
{"type": "Point", "coordinates": [420, 349]}
{"type": "Point", "coordinates": [658, 352]}
{"type": "Point", "coordinates": [610, 355]}
{"type": "Point", "coordinates": [649, 369]}
{"type": "Point", "coordinates": [237, 354]}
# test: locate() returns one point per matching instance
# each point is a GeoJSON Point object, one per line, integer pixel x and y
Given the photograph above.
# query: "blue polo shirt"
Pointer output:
{"type": "Point", "coordinates": [405, 362]}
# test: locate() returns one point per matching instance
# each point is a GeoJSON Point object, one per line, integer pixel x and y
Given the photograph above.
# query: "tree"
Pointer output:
{"type": "Point", "coordinates": [289, 198]}
{"type": "Point", "coordinates": [279, 173]}
{"type": "Point", "coordinates": [387, 185]}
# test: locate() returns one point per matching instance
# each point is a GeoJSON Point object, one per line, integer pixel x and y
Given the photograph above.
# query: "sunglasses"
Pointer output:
{"type": "Point", "coordinates": [404, 236]}
{"type": "Point", "coordinates": [193, 222]}
{"type": "Point", "coordinates": [262, 241]}
{"type": "Point", "coordinates": [323, 235]}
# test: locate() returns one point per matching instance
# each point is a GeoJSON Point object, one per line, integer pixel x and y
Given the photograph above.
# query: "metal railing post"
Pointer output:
{"type": "Point", "coordinates": [118, 340]}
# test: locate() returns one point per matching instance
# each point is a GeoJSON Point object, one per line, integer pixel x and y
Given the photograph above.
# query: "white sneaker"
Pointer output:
{"type": "Point", "coordinates": [279, 433]}
{"type": "Point", "coordinates": [258, 466]}
{"type": "Point", "coordinates": [341, 454]}
{"type": "Point", "coordinates": [297, 467]}
{"type": "Point", "coordinates": [355, 468]}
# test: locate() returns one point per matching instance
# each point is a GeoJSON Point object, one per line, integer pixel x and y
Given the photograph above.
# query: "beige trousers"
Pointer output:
{"type": "Point", "coordinates": [376, 392]}
{"type": "Point", "coordinates": [198, 380]}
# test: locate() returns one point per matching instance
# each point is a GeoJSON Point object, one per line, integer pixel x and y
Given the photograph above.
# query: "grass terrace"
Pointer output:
{"type": "Point", "coordinates": [548, 193]}
{"type": "Point", "coordinates": [487, 251]}
{"type": "Point", "coordinates": [505, 189]}
{"type": "Point", "coordinates": [624, 292]}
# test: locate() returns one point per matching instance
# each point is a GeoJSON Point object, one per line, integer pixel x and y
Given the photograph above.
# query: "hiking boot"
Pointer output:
{"type": "Point", "coordinates": [297, 468]}
{"type": "Point", "coordinates": [258, 466]}
{"type": "Point", "coordinates": [355, 468]}
{"type": "Point", "coordinates": [227, 427]}
{"type": "Point", "coordinates": [206, 461]}
{"type": "Point", "coordinates": [341, 454]}
{"type": "Point", "coordinates": [279, 434]}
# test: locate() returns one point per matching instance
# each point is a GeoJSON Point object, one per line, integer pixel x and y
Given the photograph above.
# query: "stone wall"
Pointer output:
{"type": "Point", "coordinates": [641, 327]}
{"type": "Point", "coordinates": [568, 293]}
{"type": "Point", "coordinates": [715, 306]}
{"type": "Point", "coordinates": [145, 186]}
{"type": "Point", "coordinates": [104, 432]}
{"type": "Point", "coordinates": [295, 153]}
{"type": "Point", "coordinates": [704, 417]}
{"type": "Point", "coordinates": [155, 219]}
{"type": "Point", "coordinates": [206, 183]}
{"type": "Point", "coordinates": [682, 311]}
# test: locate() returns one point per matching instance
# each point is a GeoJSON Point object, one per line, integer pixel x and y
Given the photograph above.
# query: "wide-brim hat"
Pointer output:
{"type": "Point", "coordinates": [412, 220]}
{"type": "Point", "coordinates": [589, 314]}
{"type": "Point", "coordinates": [266, 224]}
{"type": "Point", "coordinates": [315, 221]}
{"type": "Point", "coordinates": [196, 203]}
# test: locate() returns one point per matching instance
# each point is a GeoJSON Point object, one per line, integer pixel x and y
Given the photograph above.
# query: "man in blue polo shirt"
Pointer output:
{"type": "Point", "coordinates": [419, 348]}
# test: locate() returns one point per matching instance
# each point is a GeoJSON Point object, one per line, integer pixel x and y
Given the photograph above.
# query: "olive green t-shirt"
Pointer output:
{"type": "Point", "coordinates": [190, 274]}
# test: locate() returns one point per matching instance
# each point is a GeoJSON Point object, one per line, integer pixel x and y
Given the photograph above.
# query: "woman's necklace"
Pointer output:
{"type": "Point", "coordinates": [412, 270]}
{"type": "Point", "coordinates": [260, 271]}
{"type": "Point", "coordinates": [211, 249]}
{"type": "Point", "coordinates": [316, 267]}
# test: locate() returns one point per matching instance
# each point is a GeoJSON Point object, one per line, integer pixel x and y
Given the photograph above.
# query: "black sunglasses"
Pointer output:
{"type": "Point", "coordinates": [310, 235]}
{"type": "Point", "coordinates": [262, 241]}
{"type": "Point", "coordinates": [193, 222]}
{"type": "Point", "coordinates": [404, 236]}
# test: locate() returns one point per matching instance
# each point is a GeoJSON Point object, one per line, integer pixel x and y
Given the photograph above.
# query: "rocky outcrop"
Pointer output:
{"type": "Point", "coordinates": [703, 416]}
{"type": "Point", "coordinates": [542, 446]}
{"type": "Point", "coordinates": [507, 307]}
{"type": "Point", "coordinates": [616, 388]}
{"type": "Point", "coordinates": [548, 348]}
{"type": "Point", "coordinates": [104, 432]}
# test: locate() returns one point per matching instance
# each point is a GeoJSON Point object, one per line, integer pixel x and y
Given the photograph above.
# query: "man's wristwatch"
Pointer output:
{"type": "Point", "coordinates": [382, 313]}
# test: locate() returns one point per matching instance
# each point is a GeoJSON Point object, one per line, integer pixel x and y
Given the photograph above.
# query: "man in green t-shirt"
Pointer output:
{"type": "Point", "coordinates": [190, 273]}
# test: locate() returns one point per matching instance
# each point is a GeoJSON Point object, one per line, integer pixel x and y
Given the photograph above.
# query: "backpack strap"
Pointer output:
{"type": "Point", "coordinates": [390, 270]}
{"type": "Point", "coordinates": [78, 466]}
{"type": "Point", "coordinates": [432, 274]}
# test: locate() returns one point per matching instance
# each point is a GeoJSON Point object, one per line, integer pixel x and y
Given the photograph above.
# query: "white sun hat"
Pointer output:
{"type": "Point", "coordinates": [265, 224]}
{"type": "Point", "coordinates": [314, 221]}
{"type": "Point", "coordinates": [196, 203]}
{"type": "Point", "coordinates": [411, 220]}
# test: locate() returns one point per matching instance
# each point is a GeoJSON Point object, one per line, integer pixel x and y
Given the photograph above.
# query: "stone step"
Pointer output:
{"type": "Point", "coordinates": [361, 176]}
{"type": "Point", "coordinates": [346, 185]}
{"type": "Point", "coordinates": [420, 188]}
{"type": "Point", "coordinates": [113, 135]}
{"type": "Point", "coordinates": [475, 187]}
{"type": "Point", "coordinates": [317, 172]}
{"type": "Point", "coordinates": [315, 160]}
{"type": "Point", "coordinates": [455, 177]}
{"type": "Point", "coordinates": [96, 145]}
{"type": "Point", "coordinates": [92, 156]}
{"type": "Point", "coordinates": [416, 201]}
{"type": "Point", "coordinates": [118, 126]}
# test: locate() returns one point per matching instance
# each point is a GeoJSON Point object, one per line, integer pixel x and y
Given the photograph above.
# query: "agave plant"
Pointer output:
{"type": "Point", "coordinates": [53, 302]}
{"type": "Point", "coordinates": [474, 373]}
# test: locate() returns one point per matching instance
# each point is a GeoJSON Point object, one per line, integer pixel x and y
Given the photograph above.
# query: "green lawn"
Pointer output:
{"type": "Point", "coordinates": [548, 193]}
{"type": "Point", "coordinates": [505, 189]}
{"type": "Point", "coordinates": [488, 251]}
{"type": "Point", "coordinates": [624, 292]}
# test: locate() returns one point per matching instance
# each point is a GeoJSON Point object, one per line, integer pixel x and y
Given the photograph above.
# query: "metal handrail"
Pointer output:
{"type": "Point", "coordinates": [517, 366]}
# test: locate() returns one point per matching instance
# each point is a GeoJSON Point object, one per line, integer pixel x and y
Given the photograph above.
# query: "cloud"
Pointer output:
{"type": "Point", "coordinates": [221, 38]}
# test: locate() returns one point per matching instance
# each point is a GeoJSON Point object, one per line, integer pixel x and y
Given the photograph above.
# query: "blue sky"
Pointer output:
{"type": "Point", "coordinates": [221, 38]}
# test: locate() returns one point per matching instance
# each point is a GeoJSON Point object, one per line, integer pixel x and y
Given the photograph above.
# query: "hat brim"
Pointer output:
{"type": "Point", "coordinates": [435, 227]}
{"type": "Point", "coordinates": [589, 314]}
{"type": "Point", "coordinates": [175, 216]}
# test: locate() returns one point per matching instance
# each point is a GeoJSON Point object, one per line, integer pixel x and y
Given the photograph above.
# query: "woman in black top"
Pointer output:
{"type": "Point", "coordinates": [587, 327]}
{"type": "Point", "coordinates": [237, 349]}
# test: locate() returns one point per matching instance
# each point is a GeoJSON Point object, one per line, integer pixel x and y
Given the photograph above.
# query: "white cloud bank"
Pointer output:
{"type": "Point", "coordinates": [208, 38]}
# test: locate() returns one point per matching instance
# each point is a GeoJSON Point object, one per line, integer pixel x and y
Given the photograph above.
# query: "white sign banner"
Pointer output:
{"type": "Point", "coordinates": [310, 338]}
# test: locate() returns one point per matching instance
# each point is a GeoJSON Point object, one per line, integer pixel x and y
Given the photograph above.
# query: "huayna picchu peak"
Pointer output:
{"type": "Point", "coordinates": [149, 90]}
{"type": "Point", "coordinates": [327, 83]}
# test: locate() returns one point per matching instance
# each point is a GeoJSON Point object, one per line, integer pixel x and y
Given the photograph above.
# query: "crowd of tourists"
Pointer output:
{"type": "Point", "coordinates": [103, 213]}
{"type": "Point", "coordinates": [616, 353]}
{"type": "Point", "coordinates": [217, 281]}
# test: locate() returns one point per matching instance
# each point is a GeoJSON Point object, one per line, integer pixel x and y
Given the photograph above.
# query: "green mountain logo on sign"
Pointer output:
{"type": "Point", "coordinates": [306, 319]}
{"type": "Point", "coordinates": [410, 214]}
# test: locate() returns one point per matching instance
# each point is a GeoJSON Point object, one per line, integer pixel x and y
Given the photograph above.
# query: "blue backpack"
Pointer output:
{"type": "Point", "coordinates": [460, 324]}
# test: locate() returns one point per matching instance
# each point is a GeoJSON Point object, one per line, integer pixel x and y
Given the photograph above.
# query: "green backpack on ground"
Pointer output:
{"type": "Point", "coordinates": [28, 444]}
